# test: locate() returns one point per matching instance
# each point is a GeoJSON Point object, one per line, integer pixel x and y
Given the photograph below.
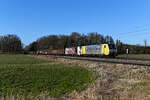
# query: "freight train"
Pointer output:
{"type": "Point", "coordinates": [88, 50]}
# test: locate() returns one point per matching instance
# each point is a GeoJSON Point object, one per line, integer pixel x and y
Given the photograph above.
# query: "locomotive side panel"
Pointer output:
{"type": "Point", "coordinates": [82, 50]}
{"type": "Point", "coordinates": [93, 50]}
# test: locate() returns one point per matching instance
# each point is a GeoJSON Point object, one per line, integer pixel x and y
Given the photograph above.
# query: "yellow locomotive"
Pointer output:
{"type": "Point", "coordinates": [100, 50]}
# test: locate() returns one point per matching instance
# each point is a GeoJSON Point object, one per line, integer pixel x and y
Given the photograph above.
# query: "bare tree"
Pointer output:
{"type": "Point", "coordinates": [10, 43]}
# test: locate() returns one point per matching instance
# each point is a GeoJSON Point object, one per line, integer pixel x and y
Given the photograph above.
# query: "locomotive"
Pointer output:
{"type": "Point", "coordinates": [88, 50]}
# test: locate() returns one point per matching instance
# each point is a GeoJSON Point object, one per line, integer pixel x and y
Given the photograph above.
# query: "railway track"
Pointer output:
{"type": "Point", "coordinates": [130, 61]}
{"type": "Point", "coordinates": [142, 59]}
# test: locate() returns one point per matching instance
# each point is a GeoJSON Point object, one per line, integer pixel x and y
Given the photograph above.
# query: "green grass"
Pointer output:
{"type": "Point", "coordinates": [141, 83]}
{"type": "Point", "coordinates": [147, 56]}
{"type": "Point", "coordinates": [19, 59]}
{"type": "Point", "coordinates": [21, 75]}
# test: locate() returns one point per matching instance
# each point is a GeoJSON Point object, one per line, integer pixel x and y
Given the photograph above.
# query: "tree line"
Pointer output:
{"type": "Point", "coordinates": [63, 41]}
{"type": "Point", "coordinates": [10, 44]}
{"type": "Point", "coordinates": [132, 49]}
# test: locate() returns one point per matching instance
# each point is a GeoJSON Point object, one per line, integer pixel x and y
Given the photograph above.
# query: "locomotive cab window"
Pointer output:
{"type": "Point", "coordinates": [104, 46]}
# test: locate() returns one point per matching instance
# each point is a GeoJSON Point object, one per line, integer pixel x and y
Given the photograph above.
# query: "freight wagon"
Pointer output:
{"type": "Point", "coordinates": [53, 52]}
{"type": "Point", "coordinates": [72, 51]}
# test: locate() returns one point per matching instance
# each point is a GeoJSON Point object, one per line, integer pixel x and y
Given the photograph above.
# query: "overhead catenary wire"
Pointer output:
{"type": "Point", "coordinates": [141, 34]}
{"type": "Point", "coordinates": [141, 31]}
{"type": "Point", "coordinates": [138, 29]}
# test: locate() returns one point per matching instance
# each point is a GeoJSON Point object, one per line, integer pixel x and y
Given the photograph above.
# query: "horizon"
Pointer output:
{"type": "Point", "coordinates": [127, 20]}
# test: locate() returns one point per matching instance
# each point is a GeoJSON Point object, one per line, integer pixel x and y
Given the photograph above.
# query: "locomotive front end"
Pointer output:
{"type": "Point", "coordinates": [112, 50]}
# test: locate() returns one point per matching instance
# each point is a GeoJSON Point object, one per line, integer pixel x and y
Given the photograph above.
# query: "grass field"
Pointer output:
{"type": "Point", "coordinates": [147, 56]}
{"type": "Point", "coordinates": [23, 75]}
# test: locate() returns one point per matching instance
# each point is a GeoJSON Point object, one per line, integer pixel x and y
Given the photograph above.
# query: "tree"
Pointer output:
{"type": "Point", "coordinates": [62, 43]}
{"type": "Point", "coordinates": [109, 40]}
{"type": "Point", "coordinates": [33, 46]}
{"type": "Point", "coordinates": [10, 43]}
{"type": "Point", "coordinates": [95, 38]}
{"type": "Point", "coordinates": [48, 42]}
{"type": "Point", "coordinates": [74, 39]}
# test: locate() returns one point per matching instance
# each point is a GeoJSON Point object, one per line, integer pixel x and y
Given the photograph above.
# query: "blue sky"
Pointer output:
{"type": "Point", "coordinates": [127, 20]}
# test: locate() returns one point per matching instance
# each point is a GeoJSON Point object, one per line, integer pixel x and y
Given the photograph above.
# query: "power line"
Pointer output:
{"type": "Point", "coordinates": [135, 34]}
{"type": "Point", "coordinates": [140, 29]}
{"type": "Point", "coordinates": [143, 26]}
{"type": "Point", "coordinates": [136, 31]}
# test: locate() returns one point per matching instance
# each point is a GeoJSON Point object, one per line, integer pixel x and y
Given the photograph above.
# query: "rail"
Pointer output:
{"type": "Point", "coordinates": [107, 60]}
